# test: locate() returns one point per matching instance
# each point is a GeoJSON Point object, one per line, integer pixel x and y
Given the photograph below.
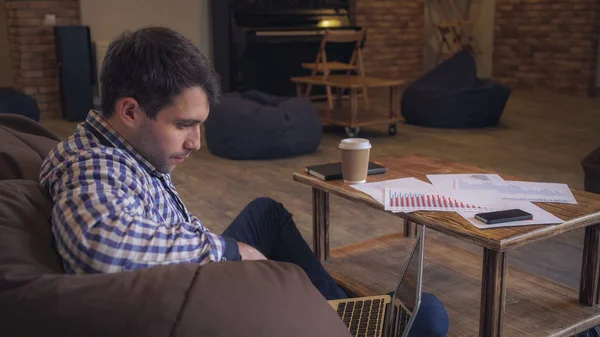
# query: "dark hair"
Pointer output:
{"type": "Point", "coordinates": [153, 65]}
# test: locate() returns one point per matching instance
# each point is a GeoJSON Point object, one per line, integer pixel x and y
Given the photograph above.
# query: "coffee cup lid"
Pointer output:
{"type": "Point", "coordinates": [355, 144]}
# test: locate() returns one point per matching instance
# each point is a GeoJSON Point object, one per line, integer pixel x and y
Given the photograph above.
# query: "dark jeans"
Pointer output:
{"type": "Point", "coordinates": [267, 226]}
{"type": "Point", "coordinates": [593, 332]}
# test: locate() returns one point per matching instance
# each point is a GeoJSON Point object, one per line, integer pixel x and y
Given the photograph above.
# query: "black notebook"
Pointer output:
{"type": "Point", "coordinates": [333, 171]}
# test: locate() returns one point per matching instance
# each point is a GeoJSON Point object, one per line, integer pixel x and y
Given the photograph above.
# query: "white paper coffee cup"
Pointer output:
{"type": "Point", "coordinates": [355, 159]}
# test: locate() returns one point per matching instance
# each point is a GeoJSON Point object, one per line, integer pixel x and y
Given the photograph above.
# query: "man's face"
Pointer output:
{"type": "Point", "coordinates": [175, 132]}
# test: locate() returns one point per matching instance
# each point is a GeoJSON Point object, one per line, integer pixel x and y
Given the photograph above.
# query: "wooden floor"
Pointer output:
{"type": "Point", "coordinates": [542, 137]}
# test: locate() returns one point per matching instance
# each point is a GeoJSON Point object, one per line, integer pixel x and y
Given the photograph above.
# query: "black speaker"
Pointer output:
{"type": "Point", "coordinates": [76, 70]}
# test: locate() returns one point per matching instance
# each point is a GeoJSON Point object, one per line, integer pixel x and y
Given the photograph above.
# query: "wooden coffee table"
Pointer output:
{"type": "Point", "coordinates": [467, 285]}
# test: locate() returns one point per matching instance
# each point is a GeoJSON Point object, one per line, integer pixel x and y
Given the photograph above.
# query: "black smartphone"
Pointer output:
{"type": "Point", "coordinates": [503, 216]}
{"type": "Point", "coordinates": [333, 171]}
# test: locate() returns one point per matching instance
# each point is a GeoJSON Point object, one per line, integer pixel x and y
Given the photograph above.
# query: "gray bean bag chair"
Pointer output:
{"type": "Point", "coordinates": [16, 102]}
{"type": "Point", "coordinates": [451, 96]}
{"type": "Point", "coordinates": [255, 125]}
{"type": "Point", "coordinates": [591, 170]}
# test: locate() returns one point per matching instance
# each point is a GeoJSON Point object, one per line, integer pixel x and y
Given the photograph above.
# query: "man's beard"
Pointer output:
{"type": "Point", "coordinates": [146, 145]}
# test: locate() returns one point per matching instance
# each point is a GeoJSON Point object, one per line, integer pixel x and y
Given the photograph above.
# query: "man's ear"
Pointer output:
{"type": "Point", "coordinates": [128, 111]}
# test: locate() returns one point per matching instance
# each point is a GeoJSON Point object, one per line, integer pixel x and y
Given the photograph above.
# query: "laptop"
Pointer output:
{"type": "Point", "coordinates": [385, 315]}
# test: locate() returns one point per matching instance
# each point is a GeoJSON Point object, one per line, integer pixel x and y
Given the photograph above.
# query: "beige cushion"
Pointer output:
{"type": "Point", "coordinates": [24, 144]}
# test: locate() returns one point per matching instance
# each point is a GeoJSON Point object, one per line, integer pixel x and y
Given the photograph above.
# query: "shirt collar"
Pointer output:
{"type": "Point", "coordinates": [95, 121]}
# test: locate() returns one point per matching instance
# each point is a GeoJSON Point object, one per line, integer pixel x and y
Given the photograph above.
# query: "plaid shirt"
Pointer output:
{"type": "Point", "coordinates": [114, 211]}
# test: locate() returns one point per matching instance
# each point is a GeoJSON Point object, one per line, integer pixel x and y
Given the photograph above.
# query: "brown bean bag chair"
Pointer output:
{"type": "Point", "coordinates": [249, 298]}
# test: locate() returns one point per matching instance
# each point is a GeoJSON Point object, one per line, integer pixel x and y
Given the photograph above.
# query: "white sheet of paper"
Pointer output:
{"type": "Point", "coordinates": [413, 185]}
{"type": "Point", "coordinates": [540, 216]}
{"type": "Point", "coordinates": [446, 181]}
{"type": "Point", "coordinates": [519, 190]}
{"type": "Point", "coordinates": [444, 184]}
{"type": "Point", "coordinates": [376, 189]}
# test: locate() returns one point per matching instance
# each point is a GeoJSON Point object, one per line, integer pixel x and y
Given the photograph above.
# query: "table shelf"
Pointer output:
{"type": "Point", "coordinates": [355, 115]}
{"type": "Point", "coordinates": [535, 306]}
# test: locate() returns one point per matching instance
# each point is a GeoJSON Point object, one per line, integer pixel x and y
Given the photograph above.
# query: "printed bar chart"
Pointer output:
{"type": "Point", "coordinates": [406, 201]}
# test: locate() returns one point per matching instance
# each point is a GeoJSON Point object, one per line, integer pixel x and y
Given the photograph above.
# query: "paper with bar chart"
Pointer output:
{"type": "Point", "coordinates": [376, 189]}
{"type": "Point", "coordinates": [410, 195]}
{"type": "Point", "coordinates": [401, 200]}
{"type": "Point", "coordinates": [520, 190]}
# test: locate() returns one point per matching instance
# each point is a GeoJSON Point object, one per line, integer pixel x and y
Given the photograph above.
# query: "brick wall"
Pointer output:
{"type": "Point", "coordinates": [395, 28]}
{"type": "Point", "coordinates": [550, 44]}
{"type": "Point", "coordinates": [32, 51]}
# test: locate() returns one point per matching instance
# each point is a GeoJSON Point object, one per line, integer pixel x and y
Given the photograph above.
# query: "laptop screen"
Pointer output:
{"type": "Point", "coordinates": [405, 298]}
{"type": "Point", "coordinates": [407, 289]}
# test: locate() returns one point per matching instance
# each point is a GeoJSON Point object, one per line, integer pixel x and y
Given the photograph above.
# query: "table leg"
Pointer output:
{"type": "Point", "coordinates": [353, 107]}
{"type": "Point", "coordinates": [410, 229]}
{"type": "Point", "coordinates": [320, 224]}
{"type": "Point", "coordinates": [392, 101]}
{"type": "Point", "coordinates": [339, 101]}
{"type": "Point", "coordinates": [396, 110]}
{"type": "Point", "coordinates": [493, 293]}
{"type": "Point", "coordinates": [590, 268]}
{"type": "Point", "coordinates": [298, 90]}
{"type": "Point", "coordinates": [339, 98]}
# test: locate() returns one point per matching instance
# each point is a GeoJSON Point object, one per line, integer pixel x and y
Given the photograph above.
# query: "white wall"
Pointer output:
{"type": "Point", "coordinates": [482, 14]}
{"type": "Point", "coordinates": [6, 71]}
{"type": "Point", "coordinates": [109, 18]}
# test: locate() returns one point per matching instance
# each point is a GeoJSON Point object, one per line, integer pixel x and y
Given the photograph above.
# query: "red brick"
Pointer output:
{"type": "Point", "coordinates": [49, 90]}
{"type": "Point", "coordinates": [36, 48]}
{"type": "Point", "coordinates": [546, 43]}
{"type": "Point", "coordinates": [33, 65]}
{"type": "Point", "coordinates": [23, 14]}
{"type": "Point", "coordinates": [25, 22]}
{"type": "Point", "coordinates": [43, 107]}
{"type": "Point", "coordinates": [31, 73]}
{"type": "Point", "coordinates": [17, 5]}
{"type": "Point", "coordinates": [32, 51]}
{"type": "Point", "coordinates": [395, 31]}
{"type": "Point", "coordinates": [33, 40]}
{"type": "Point", "coordinates": [45, 4]}
{"type": "Point", "coordinates": [30, 91]}
{"type": "Point", "coordinates": [45, 98]}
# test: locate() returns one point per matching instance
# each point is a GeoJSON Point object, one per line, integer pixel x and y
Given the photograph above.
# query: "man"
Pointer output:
{"type": "Point", "coordinates": [115, 206]}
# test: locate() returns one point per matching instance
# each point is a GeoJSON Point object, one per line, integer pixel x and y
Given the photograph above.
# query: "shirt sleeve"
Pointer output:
{"type": "Point", "coordinates": [232, 249]}
{"type": "Point", "coordinates": [101, 224]}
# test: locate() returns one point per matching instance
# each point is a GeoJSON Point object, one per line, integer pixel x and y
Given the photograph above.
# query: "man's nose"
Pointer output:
{"type": "Point", "coordinates": [193, 141]}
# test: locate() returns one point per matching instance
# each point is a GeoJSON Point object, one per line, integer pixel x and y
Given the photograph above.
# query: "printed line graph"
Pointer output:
{"type": "Point", "coordinates": [519, 190]}
{"type": "Point", "coordinates": [507, 189]}
{"type": "Point", "coordinates": [407, 201]}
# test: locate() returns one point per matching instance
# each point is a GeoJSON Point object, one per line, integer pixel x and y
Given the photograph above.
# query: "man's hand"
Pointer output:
{"type": "Point", "coordinates": [250, 253]}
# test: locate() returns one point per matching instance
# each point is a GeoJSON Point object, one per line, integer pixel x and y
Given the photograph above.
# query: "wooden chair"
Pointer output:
{"type": "Point", "coordinates": [325, 67]}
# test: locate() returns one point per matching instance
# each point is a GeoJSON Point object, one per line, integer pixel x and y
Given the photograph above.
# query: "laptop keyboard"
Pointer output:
{"type": "Point", "coordinates": [401, 320]}
{"type": "Point", "coordinates": [363, 318]}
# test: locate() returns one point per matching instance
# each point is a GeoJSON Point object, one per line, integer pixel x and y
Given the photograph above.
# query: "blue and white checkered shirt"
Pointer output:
{"type": "Point", "coordinates": [114, 211]}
